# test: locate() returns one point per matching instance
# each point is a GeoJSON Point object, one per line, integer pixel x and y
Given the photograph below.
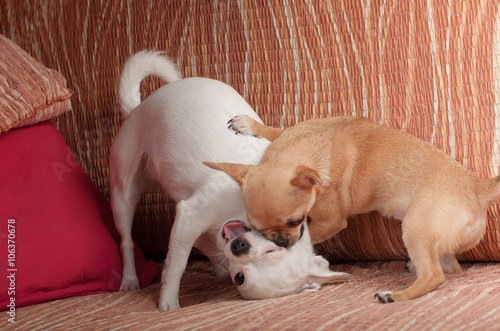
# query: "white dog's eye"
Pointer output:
{"type": "Point", "coordinates": [239, 279]}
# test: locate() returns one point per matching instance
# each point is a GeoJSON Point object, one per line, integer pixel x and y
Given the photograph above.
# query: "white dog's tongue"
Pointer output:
{"type": "Point", "coordinates": [233, 229]}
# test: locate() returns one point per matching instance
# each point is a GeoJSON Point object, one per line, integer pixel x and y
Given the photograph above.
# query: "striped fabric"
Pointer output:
{"type": "Point", "coordinates": [29, 92]}
{"type": "Point", "coordinates": [467, 301]}
{"type": "Point", "coordinates": [427, 67]}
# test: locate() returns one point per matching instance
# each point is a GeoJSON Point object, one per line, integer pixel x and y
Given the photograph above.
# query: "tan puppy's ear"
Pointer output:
{"type": "Point", "coordinates": [237, 171]}
{"type": "Point", "coordinates": [305, 178]}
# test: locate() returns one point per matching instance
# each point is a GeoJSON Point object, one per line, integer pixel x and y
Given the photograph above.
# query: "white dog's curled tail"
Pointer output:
{"type": "Point", "coordinates": [138, 67]}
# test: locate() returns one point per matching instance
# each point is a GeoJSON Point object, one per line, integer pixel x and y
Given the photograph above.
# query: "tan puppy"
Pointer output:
{"type": "Point", "coordinates": [331, 168]}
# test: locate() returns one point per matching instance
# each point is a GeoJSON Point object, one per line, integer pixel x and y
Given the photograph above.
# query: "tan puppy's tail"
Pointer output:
{"type": "Point", "coordinates": [138, 67]}
{"type": "Point", "coordinates": [491, 189]}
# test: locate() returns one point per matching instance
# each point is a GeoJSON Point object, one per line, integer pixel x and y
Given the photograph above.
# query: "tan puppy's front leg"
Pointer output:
{"type": "Point", "coordinates": [322, 231]}
{"type": "Point", "coordinates": [247, 126]}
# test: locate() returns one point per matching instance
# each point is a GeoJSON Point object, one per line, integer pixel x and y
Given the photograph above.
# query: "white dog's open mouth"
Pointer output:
{"type": "Point", "coordinates": [233, 229]}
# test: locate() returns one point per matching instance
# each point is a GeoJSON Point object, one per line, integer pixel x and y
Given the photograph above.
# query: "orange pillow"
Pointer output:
{"type": "Point", "coordinates": [29, 92]}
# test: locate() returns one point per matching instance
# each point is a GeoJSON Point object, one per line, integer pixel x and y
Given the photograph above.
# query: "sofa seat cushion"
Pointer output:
{"type": "Point", "coordinates": [468, 300]}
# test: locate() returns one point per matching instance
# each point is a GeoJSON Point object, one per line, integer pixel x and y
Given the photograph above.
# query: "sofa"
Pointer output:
{"type": "Point", "coordinates": [429, 68]}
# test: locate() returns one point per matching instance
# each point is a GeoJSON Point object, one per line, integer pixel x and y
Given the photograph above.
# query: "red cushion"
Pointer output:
{"type": "Point", "coordinates": [65, 241]}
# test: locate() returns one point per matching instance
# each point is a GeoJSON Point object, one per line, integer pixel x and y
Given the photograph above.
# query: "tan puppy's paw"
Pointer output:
{"type": "Point", "coordinates": [384, 297]}
{"type": "Point", "coordinates": [247, 126]}
{"type": "Point", "coordinates": [241, 124]}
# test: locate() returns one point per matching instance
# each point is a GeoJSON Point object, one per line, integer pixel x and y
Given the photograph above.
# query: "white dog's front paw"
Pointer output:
{"type": "Point", "coordinates": [308, 287]}
{"type": "Point", "coordinates": [168, 305]}
{"type": "Point", "coordinates": [221, 272]}
{"type": "Point", "coordinates": [384, 297]}
{"type": "Point", "coordinates": [129, 284]}
{"type": "Point", "coordinates": [240, 125]}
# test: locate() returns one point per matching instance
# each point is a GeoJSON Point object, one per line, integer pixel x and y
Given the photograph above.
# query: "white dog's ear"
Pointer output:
{"type": "Point", "coordinates": [320, 273]}
{"type": "Point", "coordinates": [237, 171]}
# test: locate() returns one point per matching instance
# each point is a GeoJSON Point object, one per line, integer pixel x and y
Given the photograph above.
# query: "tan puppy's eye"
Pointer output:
{"type": "Point", "coordinates": [293, 224]}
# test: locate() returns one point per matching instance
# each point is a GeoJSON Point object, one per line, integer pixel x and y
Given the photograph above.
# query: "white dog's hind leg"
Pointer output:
{"type": "Point", "coordinates": [124, 203]}
{"type": "Point", "coordinates": [188, 226]}
{"type": "Point", "coordinates": [127, 183]}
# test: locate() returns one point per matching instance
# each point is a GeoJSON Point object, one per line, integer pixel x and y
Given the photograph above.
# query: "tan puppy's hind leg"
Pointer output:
{"type": "Point", "coordinates": [247, 126]}
{"type": "Point", "coordinates": [449, 264]}
{"type": "Point", "coordinates": [429, 277]}
{"type": "Point", "coordinates": [419, 239]}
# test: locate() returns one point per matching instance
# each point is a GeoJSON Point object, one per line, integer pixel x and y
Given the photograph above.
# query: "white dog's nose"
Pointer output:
{"type": "Point", "coordinates": [240, 246]}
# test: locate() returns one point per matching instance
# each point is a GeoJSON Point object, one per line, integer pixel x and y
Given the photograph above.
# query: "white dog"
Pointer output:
{"type": "Point", "coordinates": [163, 141]}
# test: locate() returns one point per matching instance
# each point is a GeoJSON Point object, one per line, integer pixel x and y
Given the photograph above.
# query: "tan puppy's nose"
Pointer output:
{"type": "Point", "coordinates": [282, 242]}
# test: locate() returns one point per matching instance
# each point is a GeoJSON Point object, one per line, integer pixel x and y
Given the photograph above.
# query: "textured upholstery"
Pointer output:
{"type": "Point", "coordinates": [430, 68]}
